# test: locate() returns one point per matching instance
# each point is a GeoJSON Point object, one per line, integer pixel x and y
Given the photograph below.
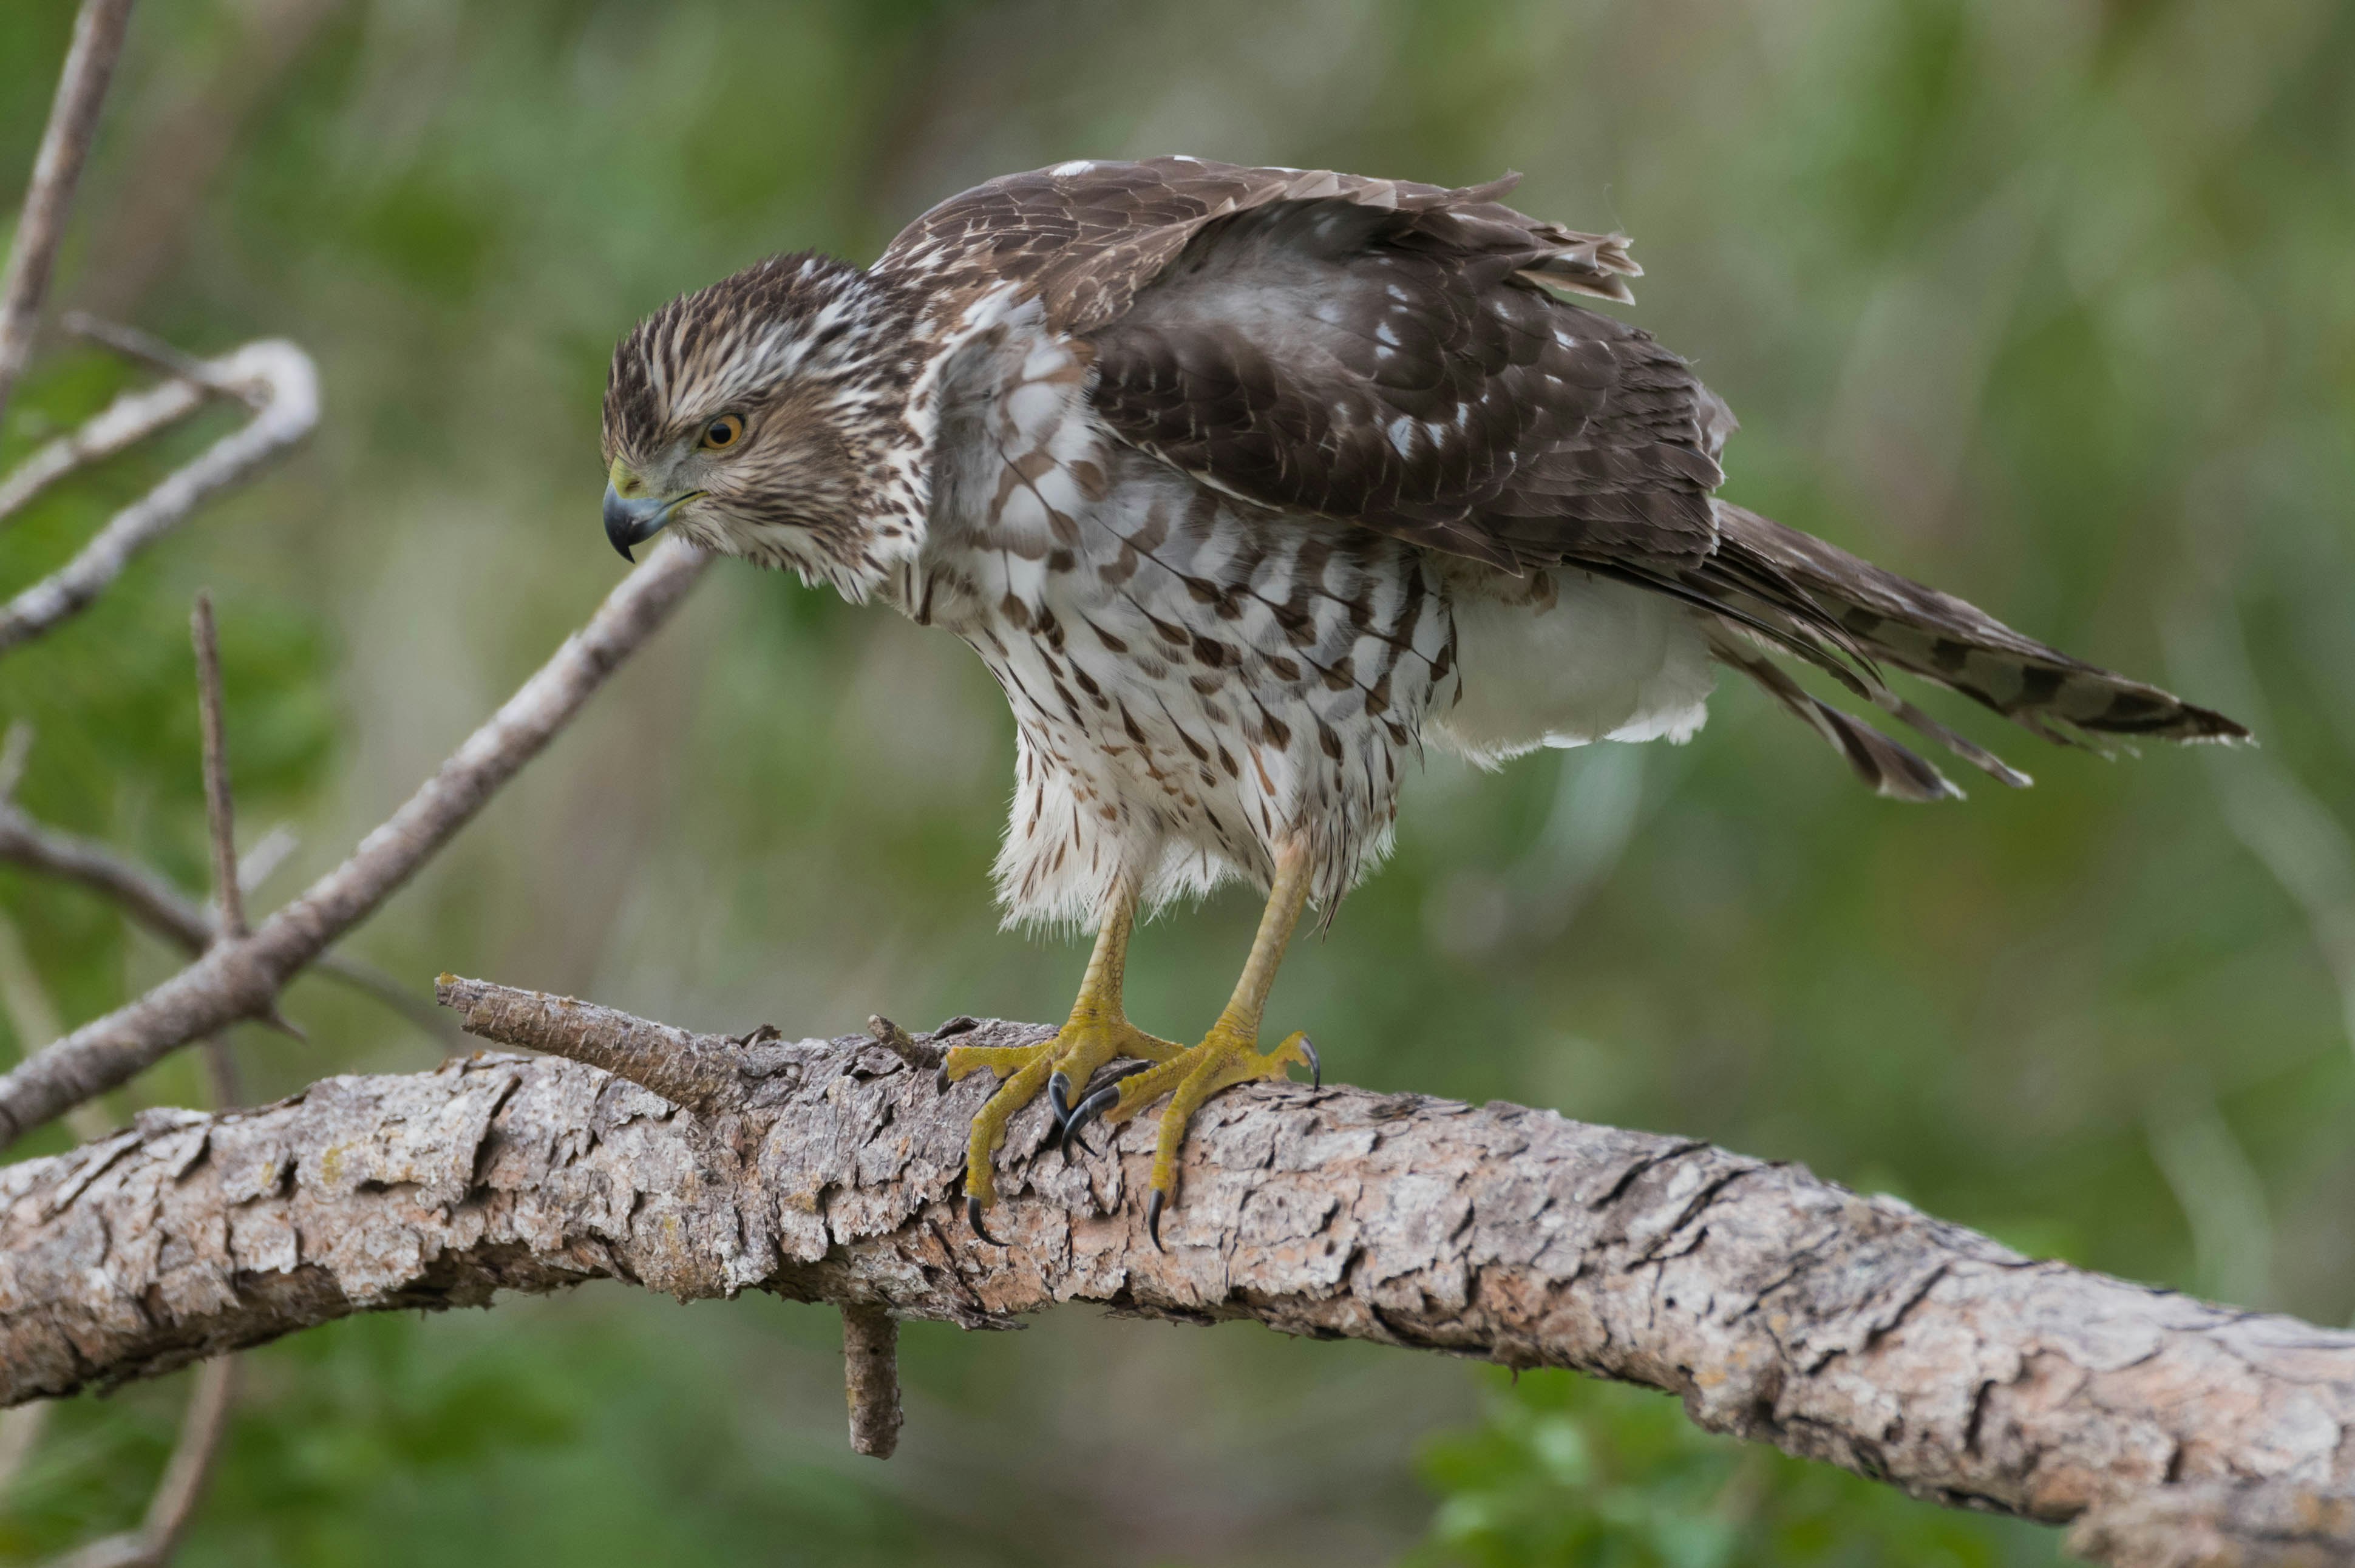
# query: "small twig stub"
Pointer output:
{"type": "Point", "coordinates": [871, 1375]}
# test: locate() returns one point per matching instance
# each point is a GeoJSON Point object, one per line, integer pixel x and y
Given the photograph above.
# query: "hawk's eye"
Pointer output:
{"type": "Point", "coordinates": [722, 432]}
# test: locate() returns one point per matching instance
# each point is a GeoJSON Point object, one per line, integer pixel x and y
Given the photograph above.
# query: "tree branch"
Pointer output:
{"type": "Point", "coordinates": [1779, 1308]}
{"type": "Point", "coordinates": [56, 169]}
{"type": "Point", "coordinates": [220, 802]}
{"type": "Point", "coordinates": [291, 385]}
{"type": "Point", "coordinates": [239, 980]}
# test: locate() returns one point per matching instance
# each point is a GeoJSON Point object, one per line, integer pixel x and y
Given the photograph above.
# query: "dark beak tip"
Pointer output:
{"type": "Point", "coordinates": [631, 522]}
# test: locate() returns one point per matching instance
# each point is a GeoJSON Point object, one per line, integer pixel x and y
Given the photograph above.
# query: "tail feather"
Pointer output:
{"type": "Point", "coordinates": [1891, 769]}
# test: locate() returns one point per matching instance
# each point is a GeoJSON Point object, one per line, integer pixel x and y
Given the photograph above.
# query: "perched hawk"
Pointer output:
{"type": "Point", "coordinates": [1245, 483]}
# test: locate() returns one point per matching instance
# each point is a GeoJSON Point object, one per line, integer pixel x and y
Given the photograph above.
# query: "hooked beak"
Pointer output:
{"type": "Point", "coordinates": [629, 522]}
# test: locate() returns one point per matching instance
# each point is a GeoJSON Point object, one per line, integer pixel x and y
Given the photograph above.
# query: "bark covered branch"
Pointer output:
{"type": "Point", "coordinates": [1778, 1306]}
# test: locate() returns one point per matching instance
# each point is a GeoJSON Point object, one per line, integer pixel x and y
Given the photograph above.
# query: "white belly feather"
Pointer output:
{"type": "Point", "coordinates": [1563, 658]}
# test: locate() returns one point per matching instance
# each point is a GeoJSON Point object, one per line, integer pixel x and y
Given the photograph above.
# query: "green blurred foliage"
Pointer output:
{"type": "Point", "coordinates": [2046, 304]}
{"type": "Point", "coordinates": [1567, 1472]}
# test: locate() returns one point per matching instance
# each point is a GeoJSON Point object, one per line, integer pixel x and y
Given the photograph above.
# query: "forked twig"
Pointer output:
{"type": "Point", "coordinates": [153, 902]}
{"type": "Point", "coordinates": [146, 349]}
{"type": "Point", "coordinates": [56, 169]}
{"type": "Point", "coordinates": [241, 979]}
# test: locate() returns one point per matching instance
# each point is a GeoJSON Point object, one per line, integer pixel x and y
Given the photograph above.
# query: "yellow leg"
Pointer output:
{"type": "Point", "coordinates": [1098, 1031]}
{"type": "Point", "coordinates": [1230, 1054]}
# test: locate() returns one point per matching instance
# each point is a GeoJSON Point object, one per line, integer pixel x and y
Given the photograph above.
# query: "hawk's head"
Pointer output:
{"type": "Point", "coordinates": [767, 417]}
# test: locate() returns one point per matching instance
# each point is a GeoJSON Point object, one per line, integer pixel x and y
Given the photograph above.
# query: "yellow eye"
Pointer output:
{"type": "Point", "coordinates": [722, 432]}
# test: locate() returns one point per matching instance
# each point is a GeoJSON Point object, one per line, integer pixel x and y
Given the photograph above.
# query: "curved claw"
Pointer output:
{"type": "Point", "coordinates": [1315, 1067]}
{"type": "Point", "coordinates": [1153, 1219]}
{"type": "Point", "coordinates": [1086, 1111]}
{"type": "Point", "coordinates": [940, 1080]}
{"type": "Point", "coordinates": [1058, 1096]}
{"type": "Point", "coordinates": [973, 1218]}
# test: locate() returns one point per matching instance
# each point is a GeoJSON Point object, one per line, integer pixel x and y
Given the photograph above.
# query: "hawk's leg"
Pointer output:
{"type": "Point", "coordinates": [1099, 1030]}
{"type": "Point", "coordinates": [1230, 1054]}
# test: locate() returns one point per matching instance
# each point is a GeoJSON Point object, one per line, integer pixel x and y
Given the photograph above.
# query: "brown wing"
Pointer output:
{"type": "Point", "coordinates": [1371, 350]}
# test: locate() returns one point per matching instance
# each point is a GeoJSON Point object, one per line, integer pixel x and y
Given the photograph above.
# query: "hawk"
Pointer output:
{"type": "Point", "coordinates": [1245, 484]}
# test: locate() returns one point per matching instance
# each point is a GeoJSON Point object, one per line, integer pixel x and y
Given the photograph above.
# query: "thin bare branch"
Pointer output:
{"type": "Point", "coordinates": [238, 980]}
{"type": "Point", "coordinates": [1781, 1309]}
{"type": "Point", "coordinates": [124, 422]}
{"type": "Point", "coordinates": [220, 807]}
{"type": "Point", "coordinates": [146, 349]}
{"type": "Point", "coordinates": [153, 902]}
{"type": "Point", "coordinates": [56, 169]}
{"type": "Point", "coordinates": [285, 372]}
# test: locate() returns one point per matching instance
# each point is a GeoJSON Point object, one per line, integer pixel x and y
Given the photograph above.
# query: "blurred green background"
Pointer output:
{"type": "Point", "coordinates": [2050, 304]}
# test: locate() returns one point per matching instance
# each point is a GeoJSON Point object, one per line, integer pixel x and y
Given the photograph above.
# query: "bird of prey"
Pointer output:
{"type": "Point", "coordinates": [1246, 484]}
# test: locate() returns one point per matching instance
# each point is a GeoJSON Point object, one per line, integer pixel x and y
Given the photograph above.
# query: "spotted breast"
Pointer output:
{"type": "Point", "coordinates": [1190, 685]}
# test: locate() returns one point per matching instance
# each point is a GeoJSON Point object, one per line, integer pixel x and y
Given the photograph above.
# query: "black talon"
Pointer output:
{"type": "Point", "coordinates": [1058, 1096]}
{"type": "Point", "coordinates": [940, 1080]}
{"type": "Point", "coordinates": [1087, 1111]}
{"type": "Point", "coordinates": [1153, 1220]}
{"type": "Point", "coordinates": [973, 1218]}
{"type": "Point", "coordinates": [1315, 1067]}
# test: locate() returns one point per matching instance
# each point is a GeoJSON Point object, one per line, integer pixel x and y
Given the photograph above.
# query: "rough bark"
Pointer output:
{"type": "Point", "coordinates": [1779, 1308]}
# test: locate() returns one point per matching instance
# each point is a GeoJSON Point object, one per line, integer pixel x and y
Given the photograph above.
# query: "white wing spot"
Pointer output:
{"type": "Point", "coordinates": [1383, 334]}
{"type": "Point", "coordinates": [1076, 166]}
{"type": "Point", "coordinates": [1401, 434]}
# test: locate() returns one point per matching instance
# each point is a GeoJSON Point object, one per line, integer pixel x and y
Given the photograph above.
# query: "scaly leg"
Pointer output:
{"type": "Point", "coordinates": [1230, 1054]}
{"type": "Point", "coordinates": [1098, 1031]}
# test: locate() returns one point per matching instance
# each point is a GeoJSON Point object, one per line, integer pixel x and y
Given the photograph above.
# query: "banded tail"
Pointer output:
{"type": "Point", "coordinates": [1783, 590]}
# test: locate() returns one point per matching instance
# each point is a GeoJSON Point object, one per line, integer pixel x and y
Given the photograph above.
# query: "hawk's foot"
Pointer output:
{"type": "Point", "coordinates": [1062, 1066]}
{"type": "Point", "coordinates": [1230, 1055]}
